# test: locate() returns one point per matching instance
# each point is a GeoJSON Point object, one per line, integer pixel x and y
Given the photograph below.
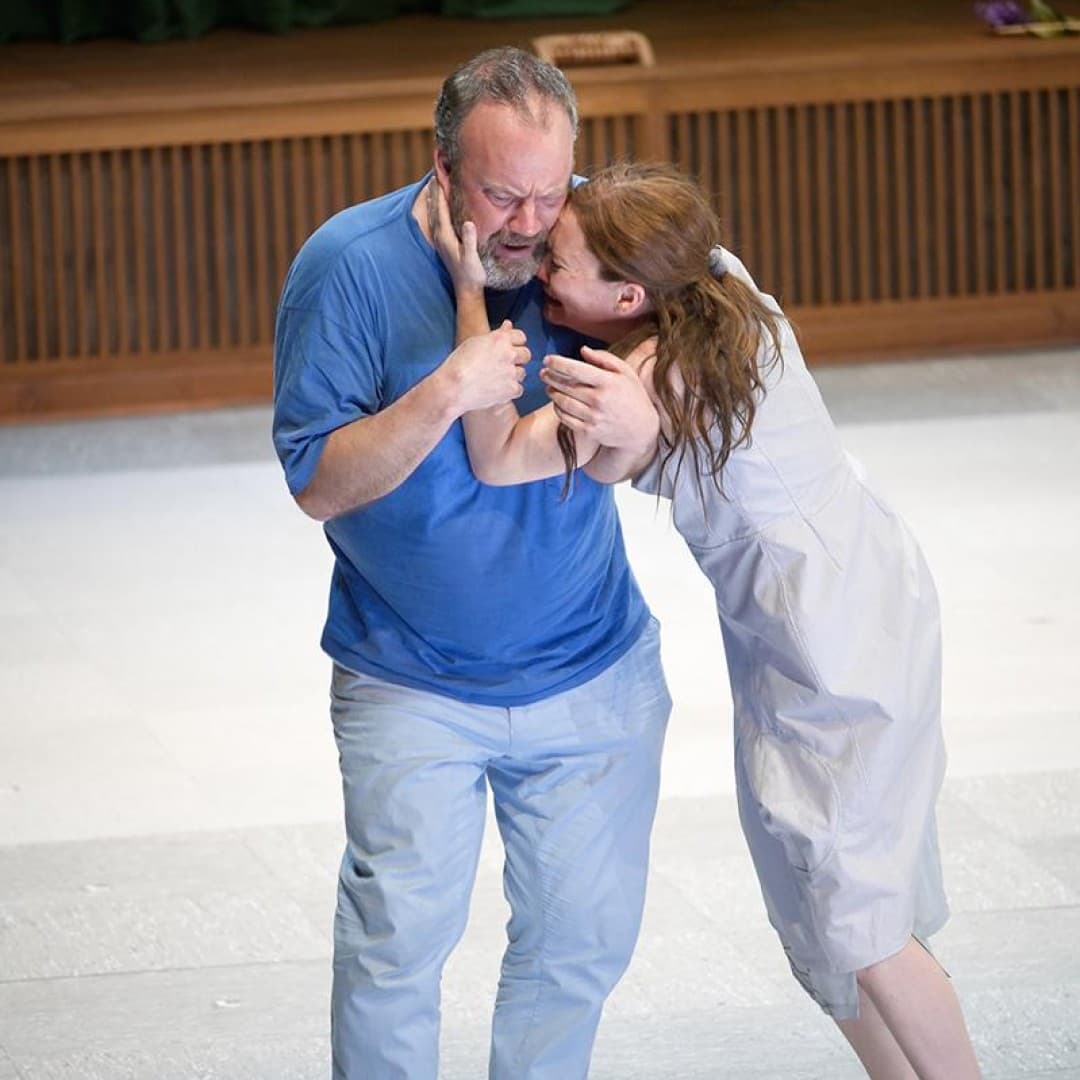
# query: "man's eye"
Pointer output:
{"type": "Point", "coordinates": [501, 200]}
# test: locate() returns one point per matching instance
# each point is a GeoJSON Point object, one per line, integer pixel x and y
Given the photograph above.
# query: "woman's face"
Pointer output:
{"type": "Point", "coordinates": [576, 294]}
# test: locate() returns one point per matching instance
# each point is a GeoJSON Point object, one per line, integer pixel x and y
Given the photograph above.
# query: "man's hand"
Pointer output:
{"type": "Point", "coordinates": [487, 369]}
{"type": "Point", "coordinates": [602, 398]}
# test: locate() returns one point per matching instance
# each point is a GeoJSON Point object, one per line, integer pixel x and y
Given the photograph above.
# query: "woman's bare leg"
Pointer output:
{"type": "Point", "coordinates": [874, 1045]}
{"type": "Point", "coordinates": [914, 1000]}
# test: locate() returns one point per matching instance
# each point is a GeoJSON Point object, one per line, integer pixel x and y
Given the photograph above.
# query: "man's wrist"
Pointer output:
{"type": "Point", "coordinates": [443, 394]}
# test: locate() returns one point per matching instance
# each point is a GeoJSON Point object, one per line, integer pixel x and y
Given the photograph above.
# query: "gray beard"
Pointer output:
{"type": "Point", "coordinates": [500, 275]}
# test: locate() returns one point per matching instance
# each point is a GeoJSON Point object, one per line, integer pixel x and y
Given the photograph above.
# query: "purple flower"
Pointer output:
{"type": "Point", "coordinates": [1001, 12]}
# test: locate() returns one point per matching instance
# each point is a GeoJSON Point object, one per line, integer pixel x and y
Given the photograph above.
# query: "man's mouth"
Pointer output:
{"type": "Point", "coordinates": [517, 251]}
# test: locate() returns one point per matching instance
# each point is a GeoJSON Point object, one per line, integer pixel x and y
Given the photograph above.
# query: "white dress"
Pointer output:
{"type": "Point", "coordinates": [830, 624]}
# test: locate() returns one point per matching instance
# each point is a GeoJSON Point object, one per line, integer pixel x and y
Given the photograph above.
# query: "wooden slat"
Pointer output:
{"type": "Point", "coordinates": [56, 216]}
{"type": "Point", "coordinates": [584, 150]}
{"type": "Point", "coordinates": [823, 244]}
{"type": "Point", "coordinates": [319, 210]}
{"type": "Point", "coordinates": [119, 340]}
{"type": "Point", "coordinates": [38, 260]}
{"type": "Point", "coordinates": [282, 247]}
{"type": "Point", "coordinates": [886, 180]}
{"type": "Point", "coordinates": [241, 268]}
{"type": "Point", "coordinates": [682, 154]}
{"type": "Point", "coordinates": [959, 168]}
{"type": "Point", "coordinates": [903, 238]}
{"type": "Point", "coordinates": [99, 245]}
{"type": "Point", "coordinates": [709, 168]}
{"type": "Point", "coordinates": [623, 146]}
{"type": "Point", "coordinates": [299, 183]}
{"type": "Point", "coordinates": [199, 228]}
{"type": "Point", "coordinates": [163, 295]}
{"type": "Point", "coordinates": [79, 250]}
{"type": "Point", "coordinates": [337, 172]}
{"type": "Point", "coordinates": [1057, 224]}
{"type": "Point", "coordinates": [722, 183]}
{"type": "Point", "coordinates": [807, 290]}
{"type": "Point", "coordinates": [130, 220]}
{"type": "Point", "coordinates": [979, 180]}
{"type": "Point", "coordinates": [181, 225]}
{"type": "Point", "coordinates": [222, 335]}
{"type": "Point", "coordinates": [919, 224]}
{"type": "Point", "coordinates": [942, 285]}
{"type": "Point", "coordinates": [784, 163]}
{"type": "Point", "coordinates": [997, 186]}
{"type": "Point", "coordinates": [355, 157]}
{"type": "Point", "coordinates": [1073, 149]}
{"type": "Point", "coordinates": [842, 193]}
{"type": "Point", "coordinates": [399, 167]}
{"type": "Point", "coordinates": [19, 283]}
{"type": "Point", "coordinates": [261, 231]}
{"type": "Point", "coordinates": [1037, 164]}
{"type": "Point", "coordinates": [1018, 176]}
{"type": "Point", "coordinates": [766, 198]}
{"type": "Point", "coordinates": [864, 233]}
{"type": "Point", "coordinates": [745, 188]}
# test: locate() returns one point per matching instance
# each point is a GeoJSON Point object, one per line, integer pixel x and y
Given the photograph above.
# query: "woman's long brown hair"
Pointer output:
{"type": "Point", "coordinates": [650, 224]}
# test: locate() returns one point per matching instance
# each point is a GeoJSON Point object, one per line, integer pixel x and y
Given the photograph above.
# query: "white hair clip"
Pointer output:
{"type": "Point", "coordinates": [717, 263]}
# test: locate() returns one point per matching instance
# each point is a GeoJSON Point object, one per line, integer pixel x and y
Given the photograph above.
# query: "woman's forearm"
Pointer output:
{"type": "Point", "coordinates": [472, 316]}
{"type": "Point", "coordinates": [613, 464]}
{"type": "Point", "coordinates": [505, 448]}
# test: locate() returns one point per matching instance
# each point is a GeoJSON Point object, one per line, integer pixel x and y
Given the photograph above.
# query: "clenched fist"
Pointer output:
{"type": "Point", "coordinates": [487, 369]}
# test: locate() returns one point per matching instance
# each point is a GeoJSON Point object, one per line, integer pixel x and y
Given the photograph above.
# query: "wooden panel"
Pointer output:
{"type": "Point", "coordinates": [911, 201]}
{"type": "Point", "coordinates": [898, 329]}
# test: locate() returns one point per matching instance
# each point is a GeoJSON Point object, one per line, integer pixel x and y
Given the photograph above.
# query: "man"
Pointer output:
{"type": "Point", "coordinates": [480, 636]}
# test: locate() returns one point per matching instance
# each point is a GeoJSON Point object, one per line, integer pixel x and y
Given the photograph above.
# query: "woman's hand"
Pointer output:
{"type": "Point", "coordinates": [460, 254]}
{"type": "Point", "coordinates": [602, 398]}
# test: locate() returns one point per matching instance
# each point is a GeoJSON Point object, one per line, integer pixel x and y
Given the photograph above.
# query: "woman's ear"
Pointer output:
{"type": "Point", "coordinates": [632, 300]}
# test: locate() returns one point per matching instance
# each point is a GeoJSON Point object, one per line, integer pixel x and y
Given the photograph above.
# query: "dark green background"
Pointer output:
{"type": "Point", "coordinates": [159, 20]}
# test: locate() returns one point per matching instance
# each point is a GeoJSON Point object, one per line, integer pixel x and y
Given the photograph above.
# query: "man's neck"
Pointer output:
{"type": "Point", "coordinates": [419, 212]}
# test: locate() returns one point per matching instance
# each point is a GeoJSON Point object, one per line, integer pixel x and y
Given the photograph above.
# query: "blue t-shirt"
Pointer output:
{"type": "Point", "coordinates": [492, 595]}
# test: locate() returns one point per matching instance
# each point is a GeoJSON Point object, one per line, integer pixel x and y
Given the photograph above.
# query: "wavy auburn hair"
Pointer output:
{"type": "Point", "coordinates": [650, 224]}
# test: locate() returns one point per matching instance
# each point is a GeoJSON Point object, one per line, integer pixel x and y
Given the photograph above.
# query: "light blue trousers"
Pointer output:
{"type": "Point", "coordinates": [575, 781]}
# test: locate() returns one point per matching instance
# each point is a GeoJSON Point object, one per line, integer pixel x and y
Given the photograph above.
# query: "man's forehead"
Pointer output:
{"type": "Point", "coordinates": [535, 112]}
{"type": "Point", "coordinates": [490, 123]}
{"type": "Point", "coordinates": [507, 186]}
{"type": "Point", "coordinates": [498, 169]}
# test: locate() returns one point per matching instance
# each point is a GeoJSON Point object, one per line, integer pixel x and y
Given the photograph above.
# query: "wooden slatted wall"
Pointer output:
{"type": "Point", "coordinates": [164, 250]}
{"type": "Point", "coordinates": [887, 219]}
{"type": "Point", "coordinates": [969, 195]}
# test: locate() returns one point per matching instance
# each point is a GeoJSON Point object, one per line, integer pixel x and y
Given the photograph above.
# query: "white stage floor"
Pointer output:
{"type": "Point", "coordinates": [169, 797]}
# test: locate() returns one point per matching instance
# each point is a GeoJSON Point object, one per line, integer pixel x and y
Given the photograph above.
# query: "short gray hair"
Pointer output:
{"type": "Point", "coordinates": [505, 75]}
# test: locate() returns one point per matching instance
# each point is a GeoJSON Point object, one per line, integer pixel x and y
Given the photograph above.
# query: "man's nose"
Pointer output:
{"type": "Point", "coordinates": [526, 221]}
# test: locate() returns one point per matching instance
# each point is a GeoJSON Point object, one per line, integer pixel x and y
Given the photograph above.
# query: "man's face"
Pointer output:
{"type": "Point", "coordinates": [511, 182]}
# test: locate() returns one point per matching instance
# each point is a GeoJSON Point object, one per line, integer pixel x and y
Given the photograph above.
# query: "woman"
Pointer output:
{"type": "Point", "coordinates": [828, 612]}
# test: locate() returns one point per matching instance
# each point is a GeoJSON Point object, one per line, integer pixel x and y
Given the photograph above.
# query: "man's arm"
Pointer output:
{"type": "Point", "coordinates": [370, 457]}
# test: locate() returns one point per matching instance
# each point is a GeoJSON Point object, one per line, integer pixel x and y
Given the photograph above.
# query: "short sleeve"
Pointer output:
{"type": "Point", "coordinates": [326, 374]}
